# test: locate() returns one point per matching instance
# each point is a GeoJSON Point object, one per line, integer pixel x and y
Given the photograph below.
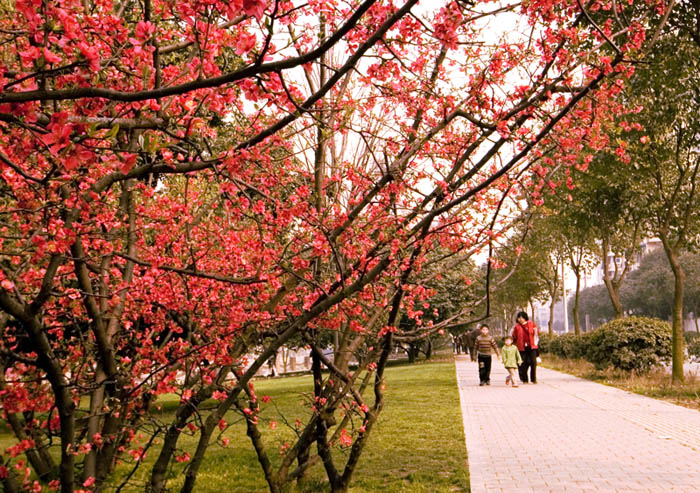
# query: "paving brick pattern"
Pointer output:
{"type": "Point", "coordinates": [566, 434]}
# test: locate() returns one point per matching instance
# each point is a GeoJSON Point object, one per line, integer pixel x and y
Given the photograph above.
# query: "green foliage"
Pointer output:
{"type": "Point", "coordinates": [595, 302]}
{"type": "Point", "coordinates": [448, 277]}
{"type": "Point", "coordinates": [630, 344]}
{"type": "Point", "coordinates": [569, 346]}
{"type": "Point", "coordinates": [647, 291]}
{"type": "Point", "coordinates": [690, 336]}
{"type": "Point", "coordinates": [649, 288]}
{"type": "Point", "coordinates": [693, 344]}
{"type": "Point", "coordinates": [546, 342]}
{"type": "Point", "coordinates": [531, 256]}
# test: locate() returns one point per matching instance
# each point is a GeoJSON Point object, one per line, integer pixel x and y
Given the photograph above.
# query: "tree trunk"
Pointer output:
{"type": "Point", "coordinates": [577, 321]}
{"type": "Point", "coordinates": [10, 483]}
{"type": "Point", "coordinates": [614, 294]}
{"type": "Point", "coordinates": [411, 352]}
{"type": "Point", "coordinates": [677, 321]}
{"type": "Point", "coordinates": [94, 421]}
{"type": "Point", "coordinates": [551, 316]}
{"type": "Point", "coordinates": [611, 284]}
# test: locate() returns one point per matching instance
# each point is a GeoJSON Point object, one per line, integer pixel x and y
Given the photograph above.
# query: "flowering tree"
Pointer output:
{"type": "Point", "coordinates": [186, 183]}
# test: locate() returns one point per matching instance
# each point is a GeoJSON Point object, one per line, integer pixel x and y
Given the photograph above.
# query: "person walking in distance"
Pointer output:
{"type": "Point", "coordinates": [511, 360]}
{"type": "Point", "coordinates": [525, 336]}
{"type": "Point", "coordinates": [469, 337]}
{"type": "Point", "coordinates": [484, 344]}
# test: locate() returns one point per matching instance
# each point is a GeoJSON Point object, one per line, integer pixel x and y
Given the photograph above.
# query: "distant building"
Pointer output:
{"type": "Point", "coordinates": [590, 279]}
{"type": "Point", "coordinates": [595, 277]}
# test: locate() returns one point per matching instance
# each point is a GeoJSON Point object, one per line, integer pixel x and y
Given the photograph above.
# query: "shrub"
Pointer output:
{"type": "Point", "coordinates": [545, 341]}
{"type": "Point", "coordinates": [555, 346]}
{"type": "Point", "coordinates": [630, 344]}
{"type": "Point", "coordinates": [570, 345]}
{"type": "Point", "coordinates": [690, 336]}
{"type": "Point", "coordinates": [694, 348]}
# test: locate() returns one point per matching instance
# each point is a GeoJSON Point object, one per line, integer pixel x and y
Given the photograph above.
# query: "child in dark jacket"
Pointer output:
{"type": "Point", "coordinates": [484, 344]}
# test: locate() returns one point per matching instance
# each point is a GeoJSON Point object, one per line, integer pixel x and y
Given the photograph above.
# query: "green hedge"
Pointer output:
{"type": "Point", "coordinates": [692, 343]}
{"type": "Point", "coordinates": [694, 348]}
{"type": "Point", "coordinates": [569, 345]}
{"type": "Point", "coordinates": [690, 336]}
{"type": "Point", "coordinates": [545, 341]}
{"type": "Point", "coordinates": [629, 344]}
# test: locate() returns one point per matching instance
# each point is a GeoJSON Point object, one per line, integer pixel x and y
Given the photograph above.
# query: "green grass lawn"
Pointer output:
{"type": "Point", "coordinates": [416, 446]}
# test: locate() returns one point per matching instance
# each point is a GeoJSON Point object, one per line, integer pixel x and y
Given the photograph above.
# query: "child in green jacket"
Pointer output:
{"type": "Point", "coordinates": [511, 360]}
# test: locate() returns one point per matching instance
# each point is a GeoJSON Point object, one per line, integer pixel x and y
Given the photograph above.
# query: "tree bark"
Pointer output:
{"type": "Point", "coordinates": [412, 352]}
{"type": "Point", "coordinates": [614, 294]}
{"type": "Point", "coordinates": [49, 363]}
{"type": "Point", "coordinates": [551, 316]}
{"type": "Point", "coordinates": [9, 483]}
{"type": "Point", "coordinates": [677, 321]}
{"type": "Point", "coordinates": [612, 285]}
{"type": "Point", "coordinates": [577, 321]}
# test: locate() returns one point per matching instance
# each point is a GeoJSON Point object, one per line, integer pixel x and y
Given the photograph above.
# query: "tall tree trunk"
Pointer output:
{"type": "Point", "coordinates": [577, 321]}
{"type": "Point", "coordinates": [614, 294]}
{"type": "Point", "coordinates": [677, 321]}
{"type": "Point", "coordinates": [551, 315]}
{"type": "Point", "coordinates": [411, 352]}
{"type": "Point", "coordinates": [611, 284]}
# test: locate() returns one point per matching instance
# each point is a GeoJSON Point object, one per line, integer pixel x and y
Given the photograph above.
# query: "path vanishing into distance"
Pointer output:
{"type": "Point", "coordinates": [567, 434]}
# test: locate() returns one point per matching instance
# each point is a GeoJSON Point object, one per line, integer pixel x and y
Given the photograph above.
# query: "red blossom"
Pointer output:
{"type": "Point", "coordinates": [255, 8]}
{"type": "Point", "coordinates": [183, 457]}
{"type": "Point", "coordinates": [345, 438]}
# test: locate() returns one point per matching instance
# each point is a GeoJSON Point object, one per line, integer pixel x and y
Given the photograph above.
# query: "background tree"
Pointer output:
{"type": "Point", "coordinates": [691, 298]}
{"type": "Point", "coordinates": [649, 289]}
{"type": "Point", "coordinates": [519, 281]}
{"type": "Point", "coordinates": [595, 303]}
{"type": "Point", "coordinates": [546, 250]}
{"type": "Point", "coordinates": [611, 215]}
{"type": "Point", "coordinates": [577, 246]}
{"type": "Point", "coordinates": [447, 276]}
{"type": "Point", "coordinates": [666, 158]}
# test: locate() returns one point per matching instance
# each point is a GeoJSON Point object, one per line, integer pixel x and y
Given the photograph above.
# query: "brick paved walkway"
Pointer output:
{"type": "Point", "coordinates": [566, 434]}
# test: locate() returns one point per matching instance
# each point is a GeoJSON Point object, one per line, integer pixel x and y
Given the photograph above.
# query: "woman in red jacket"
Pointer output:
{"type": "Point", "coordinates": [525, 337]}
